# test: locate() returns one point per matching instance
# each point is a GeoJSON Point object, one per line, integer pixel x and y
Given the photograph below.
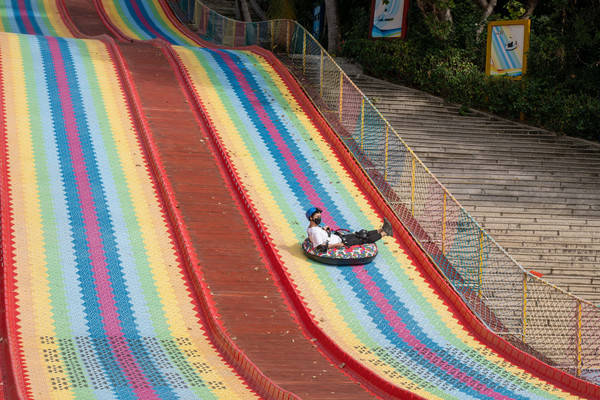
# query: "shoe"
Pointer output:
{"type": "Point", "coordinates": [387, 227]}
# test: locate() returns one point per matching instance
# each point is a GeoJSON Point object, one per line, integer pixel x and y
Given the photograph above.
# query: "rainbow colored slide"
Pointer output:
{"type": "Point", "coordinates": [97, 302]}
{"type": "Point", "coordinates": [99, 305]}
{"type": "Point", "coordinates": [386, 314]}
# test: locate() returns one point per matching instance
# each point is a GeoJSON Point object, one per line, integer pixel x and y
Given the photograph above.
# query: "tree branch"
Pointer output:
{"type": "Point", "coordinates": [332, 26]}
{"type": "Point", "coordinates": [245, 11]}
{"type": "Point", "coordinates": [259, 11]}
{"type": "Point", "coordinates": [531, 5]}
{"type": "Point", "coordinates": [236, 9]}
{"type": "Point", "coordinates": [487, 11]}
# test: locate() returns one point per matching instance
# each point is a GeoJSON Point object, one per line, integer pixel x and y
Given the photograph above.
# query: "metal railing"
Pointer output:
{"type": "Point", "coordinates": [536, 316]}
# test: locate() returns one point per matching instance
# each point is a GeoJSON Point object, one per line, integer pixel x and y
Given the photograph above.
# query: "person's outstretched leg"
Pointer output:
{"type": "Point", "coordinates": [362, 236]}
{"type": "Point", "coordinates": [372, 236]}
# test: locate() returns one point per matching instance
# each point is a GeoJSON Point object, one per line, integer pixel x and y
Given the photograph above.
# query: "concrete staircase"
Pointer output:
{"type": "Point", "coordinates": [536, 193]}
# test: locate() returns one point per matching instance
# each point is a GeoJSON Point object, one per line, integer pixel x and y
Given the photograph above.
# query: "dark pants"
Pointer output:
{"type": "Point", "coordinates": [360, 237]}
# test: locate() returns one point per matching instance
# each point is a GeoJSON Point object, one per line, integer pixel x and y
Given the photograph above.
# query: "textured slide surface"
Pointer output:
{"type": "Point", "coordinates": [384, 314]}
{"type": "Point", "coordinates": [143, 20]}
{"type": "Point", "coordinates": [34, 17]}
{"type": "Point", "coordinates": [96, 298]}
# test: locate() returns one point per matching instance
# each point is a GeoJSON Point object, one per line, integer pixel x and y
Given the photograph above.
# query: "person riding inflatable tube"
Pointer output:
{"type": "Point", "coordinates": [340, 247]}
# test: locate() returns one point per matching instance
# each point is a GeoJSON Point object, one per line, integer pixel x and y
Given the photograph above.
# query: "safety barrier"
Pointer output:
{"type": "Point", "coordinates": [536, 316]}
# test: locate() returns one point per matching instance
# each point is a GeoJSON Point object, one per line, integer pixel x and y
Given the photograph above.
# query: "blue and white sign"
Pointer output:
{"type": "Point", "coordinates": [388, 18]}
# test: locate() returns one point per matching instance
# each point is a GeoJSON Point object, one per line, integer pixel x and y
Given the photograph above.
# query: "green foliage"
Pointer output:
{"type": "Point", "coordinates": [514, 9]}
{"type": "Point", "coordinates": [560, 92]}
{"type": "Point", "coordinates": [284, 9]}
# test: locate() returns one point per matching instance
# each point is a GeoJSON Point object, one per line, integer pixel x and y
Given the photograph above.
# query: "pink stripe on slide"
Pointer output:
{"type": "Point", "coordinates": [24, 14]}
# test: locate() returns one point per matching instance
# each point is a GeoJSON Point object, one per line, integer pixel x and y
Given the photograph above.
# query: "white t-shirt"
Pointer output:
{"type": "Point", "coordinates": [318, 236]}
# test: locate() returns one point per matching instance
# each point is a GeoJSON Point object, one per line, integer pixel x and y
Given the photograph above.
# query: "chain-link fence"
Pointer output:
{"type": "Point", "coordinates": [533, 314]}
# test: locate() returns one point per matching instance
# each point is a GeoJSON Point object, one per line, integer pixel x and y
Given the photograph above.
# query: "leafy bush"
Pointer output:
{"type": "Point", "coordinates": [560, 92]}
{"type": "Point", "coordinates": [451, 75]}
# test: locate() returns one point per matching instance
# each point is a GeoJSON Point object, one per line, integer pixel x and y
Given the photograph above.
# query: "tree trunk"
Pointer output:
{"type": "Point", "coordinates": [332, 26]}
{"type": "Point", "coordinates": [245, 11]}
{"type": "Point", "coordinates": [236, 9]}
{"type": "Point", "coordinates": [531, 5]}
{"type": "Point", "coordinates": [488, 9]}
{"type": "Point", "coordinates": [438, 17]}
{"type": "Point", "coordinates": [258, 11]}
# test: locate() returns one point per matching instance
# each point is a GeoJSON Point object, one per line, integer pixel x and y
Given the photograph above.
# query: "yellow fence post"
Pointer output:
{"type": "Point", "coordinates": [480, 261]}
{"type": "Point", "coordinates": [258, 33]}
{"type": "Point", "coordinates": [362, 124]}
{"type": "Point", "coordinates": [412, 186]}
{"type": "Point", "coordinates": [321, 75]}
{"type": "Point", "coordinates": [524, 314]}
{"type": "Point", "coordinates": [341, 92]}
{"type": "Point", "coordinates": [304, 54]}
{"type": "Point", "coordinates": [444, 225]}
{"type": "Point", "coordinates": [579, 358]}
{"type": "Point", "coordinates": [387, 135]}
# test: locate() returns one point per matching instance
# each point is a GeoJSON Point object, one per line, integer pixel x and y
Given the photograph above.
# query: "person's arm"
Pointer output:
{"type": "Point", "coordinates": [336, 246]}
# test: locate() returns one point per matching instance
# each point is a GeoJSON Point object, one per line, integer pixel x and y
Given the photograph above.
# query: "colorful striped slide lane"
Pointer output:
{"type": "Point", "coordinates": [385, 314]}
{"type": "Point", "coordinates": [97, 303]}
{"type": "Point", "coordinates": [34, 17]}
{"type": "Point", "coordinates": [145, 20]}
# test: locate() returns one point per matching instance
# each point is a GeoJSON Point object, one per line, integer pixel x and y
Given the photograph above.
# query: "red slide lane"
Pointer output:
{"type": "Point", "coordinates": [82, 18]}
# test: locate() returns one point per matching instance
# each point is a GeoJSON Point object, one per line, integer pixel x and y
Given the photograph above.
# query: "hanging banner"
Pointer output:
{"type": "Point", "coordinates": [388, 18]}
{"type": "Point", "coordinates": [507, 46]}
{"type": "Point", "coordinates": [318, 20]}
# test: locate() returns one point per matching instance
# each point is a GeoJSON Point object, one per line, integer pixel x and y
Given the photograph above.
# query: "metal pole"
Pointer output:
{"type": "Point", "coordinates": [524, 316]}
{"type": "Point", "coordinates": [245, 33]}
{"type": "Point", "coordinates": [579, 358]}
{"type": "Point", "coordinates": [387, 127]}
{"type": "Point", "coordinates": [272, 33]}
{"type": "Point", "coordinates": [362, 124]}
{"type": "Point", "coordinates": [321, 75]}
{"type": "Point", "coordinates": [480, 262]}
{"type": "Point", "coordinates": [341, 92]}
{"type": "Point", "coordinates": [444, 225]}
{"type": "Point", "coordinates": [287, 37]}
{"type": "Point", "coordinates": [304, 54]}
{"type": "Point", "coordinates": [412, 187]}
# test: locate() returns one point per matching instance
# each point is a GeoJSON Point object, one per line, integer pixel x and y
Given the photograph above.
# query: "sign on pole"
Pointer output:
{"type": "Point", "coordinates": [388, 18]}
{"type": "Point", "coordinates": [507, 46]}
